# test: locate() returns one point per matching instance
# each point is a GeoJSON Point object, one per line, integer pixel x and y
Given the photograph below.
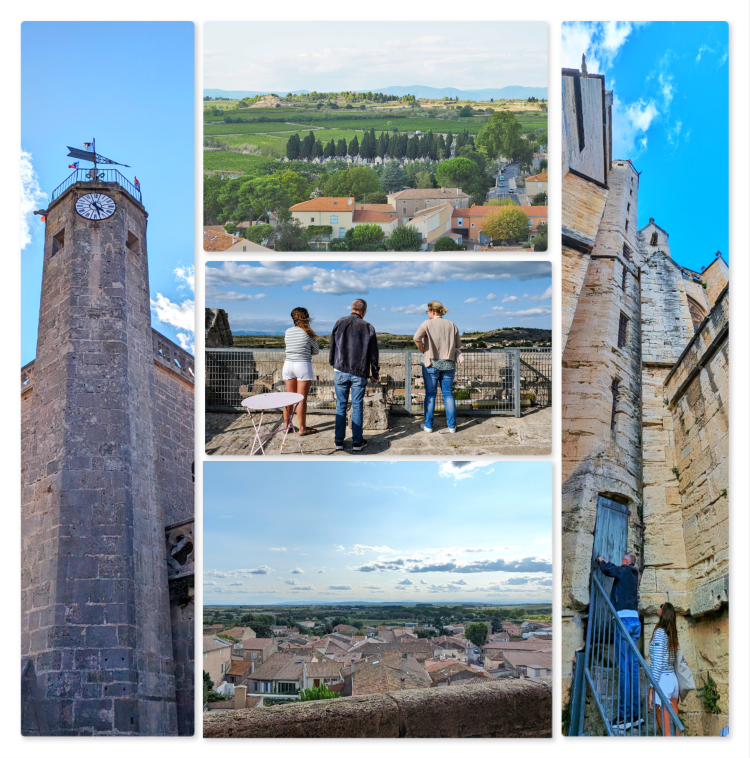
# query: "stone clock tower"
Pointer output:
{"type": "Point", "coordinates": [97, 631]}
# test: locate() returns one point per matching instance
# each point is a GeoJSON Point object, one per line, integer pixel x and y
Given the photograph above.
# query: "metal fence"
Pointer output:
{"type": "Point", "coordinates": [487, 382]}
{"type": "Point", "coordinates": [612, 680]}
{"type": "Point", "coordinates": [97, 176]}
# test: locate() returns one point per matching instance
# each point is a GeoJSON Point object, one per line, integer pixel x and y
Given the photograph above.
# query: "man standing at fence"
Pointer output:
{"type": "Point", "coordinates": [353, 354]}
{"type": "Point", "coordinates": [624, 597]}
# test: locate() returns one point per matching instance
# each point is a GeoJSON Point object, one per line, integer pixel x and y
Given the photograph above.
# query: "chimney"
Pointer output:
{"type": "Point", "coordinates": [252, 667]}
{"type": "Point", "coordinates": [240, 697]}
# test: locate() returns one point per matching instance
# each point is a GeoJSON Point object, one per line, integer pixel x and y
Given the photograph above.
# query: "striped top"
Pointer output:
{"type": "Point", "coordinates": [662, 661]}
{"type": "Point", "coordinates": [299, 345]}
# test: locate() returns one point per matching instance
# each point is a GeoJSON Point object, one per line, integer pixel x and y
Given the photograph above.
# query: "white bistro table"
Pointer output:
{"type": "Point", "coordinates": [271, 401]}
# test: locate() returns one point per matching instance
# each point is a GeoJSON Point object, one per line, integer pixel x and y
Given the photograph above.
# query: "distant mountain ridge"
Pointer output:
{"type": "Point", "coordinates": [418, 90]}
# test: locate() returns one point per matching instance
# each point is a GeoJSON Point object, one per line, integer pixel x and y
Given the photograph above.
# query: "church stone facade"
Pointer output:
{"type": "Point", "coordinates": [645, 402]}
{"type": "Point", "coordinates": [107, 486]}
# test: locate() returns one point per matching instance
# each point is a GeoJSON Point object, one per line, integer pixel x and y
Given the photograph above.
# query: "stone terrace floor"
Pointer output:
{"type": "Point", "coordinates": [232, 434]}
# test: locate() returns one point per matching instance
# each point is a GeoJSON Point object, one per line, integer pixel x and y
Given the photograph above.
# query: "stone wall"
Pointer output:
{"type": "Point", "coordinates": [507, 708]}
{"type": "Point", "coordinates": [218, 331]}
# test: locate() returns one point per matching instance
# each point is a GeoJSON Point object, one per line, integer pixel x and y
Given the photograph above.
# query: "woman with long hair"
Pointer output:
{"type": "Point", "coordinates": [440, 344]}
{"type": "Point", "coordinates": [301, 344]}
{"type": "Point", "coordinates": [663, 653]}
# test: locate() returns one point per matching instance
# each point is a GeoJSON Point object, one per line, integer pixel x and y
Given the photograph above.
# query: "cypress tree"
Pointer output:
{"type": "Point", "coordinates": [341, 148]}
{"type": "Point", "coordinates": [354, 147]}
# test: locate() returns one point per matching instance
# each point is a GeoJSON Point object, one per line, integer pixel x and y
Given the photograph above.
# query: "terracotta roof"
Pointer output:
{"type": "Point", "coordinates": [218, 242]}
{"type": "Point", "coordinates": [518, 645]}
{"type": "Point", "coordinates": [429, 194]}
{"type": "Point", "coordinates": [239, 668]}
{"type": "Point", "coordinates": [537, 178]}
{"type": "Point", "coordinates": [371, 217]}
{"type": "Point", "coordinates": [257, 643]}
{"type": "Point", "coordinates": [344, 204]}
{"type": "Point", "coordinates": [271, 668]}
{"type": "Point", "coordinates": [528, 658]}
{"type": "Point", "coordinates": [387, 673]}
{"type": "Point", "coordinates": [378, 207]}
{"type": "Point", "coordinates": [326, 669]}
{"type": "Point", "coordinates": [434, 209]}
{"type": "Point", "coordinates": [212, 643]}
{"type": "Point", "coordinates": [238, 631]}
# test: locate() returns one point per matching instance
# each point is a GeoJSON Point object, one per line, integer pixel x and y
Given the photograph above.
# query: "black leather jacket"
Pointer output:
{"type": "Point", "coordinates": [354, 347]}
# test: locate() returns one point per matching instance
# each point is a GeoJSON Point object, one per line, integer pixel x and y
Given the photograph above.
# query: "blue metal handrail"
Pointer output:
{"type": "Point", "coordinates": [602, 677]}
{"type": "Point", "coordinates": [97, 176]}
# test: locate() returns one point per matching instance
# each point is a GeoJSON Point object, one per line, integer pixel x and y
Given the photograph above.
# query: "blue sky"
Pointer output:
{"type": "Point", "coordinates": [670, 117]}
{"type": "Point", "coordinates": [131, 86]}
{"type": "Point", "coordinates": [480, 295]}
{"type": "Point", "coordinates": [387, 532]}
{"type": "Point", "coordinates": [352, 55]}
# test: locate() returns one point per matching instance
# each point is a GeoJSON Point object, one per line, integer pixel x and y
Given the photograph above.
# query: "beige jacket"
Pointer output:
{"type": "Point", "coordinates": [440, 339]}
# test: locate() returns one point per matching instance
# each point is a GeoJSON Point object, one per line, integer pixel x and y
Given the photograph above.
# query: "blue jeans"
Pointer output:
{"type": "Point", "coordinates": [342, 383]}
{"type": "Point", "coordinates": [629, 685]}
{"type": "Point", "coordinates": [432, 378]}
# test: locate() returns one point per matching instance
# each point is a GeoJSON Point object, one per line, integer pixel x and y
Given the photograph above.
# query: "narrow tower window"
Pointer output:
{"type": "Point", "coordinates": [58, 242]}
{"type": "Point", "coordinates": [626, 252]}
{"type": "Point", "coordinates": [615, 389]}
{"type": "Point", "coordinates": [622, 332]}
{"type": "Point", "coordinates": [654, 239]}
{"type": "Point", "coordinates": [133, 244]}
{"type": "Point", "coordinates": [626, 224]}
{"type": "Point", "coordinates": [624, 277]}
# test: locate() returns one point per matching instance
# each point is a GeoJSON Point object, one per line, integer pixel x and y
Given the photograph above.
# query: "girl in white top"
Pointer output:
{"type": "Point", "coordinates": [663, 654]}
{"type": "Point", "coordinates": [301, 344]}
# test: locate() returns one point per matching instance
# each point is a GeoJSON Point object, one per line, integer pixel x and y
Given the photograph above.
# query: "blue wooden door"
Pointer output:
{"type": "Point", "coordinates": [610, 536]}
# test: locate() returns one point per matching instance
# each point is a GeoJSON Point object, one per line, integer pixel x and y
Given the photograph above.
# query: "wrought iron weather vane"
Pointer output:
{"type": "Point", "coordinates": [92, 156]}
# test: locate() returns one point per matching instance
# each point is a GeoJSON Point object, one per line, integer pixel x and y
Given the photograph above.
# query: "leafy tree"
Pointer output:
{"type": "Point", "coordinates": [457, 172]}
{"type": "Point", "coordinates": [539, 199]}
{"type": "Point", "coordinates": [295, 185]}
{"type": "Point", "coordinates": [506, 223]}
{"type": "Point", "coordinates": [258, 234]}
{"type": "Point", "coordinates": [405, 238]}
{"type": "Point", "coordinates": [447, 244]}
{"type": "Point", "coordinates": [365, 234]}
{"type": "Point", "coordinates": [393, 177]}
{"type": "Point", "coordinates": [542, 229]}
{"type": "Point", "coordinates": [477, 633]}
{"type": "Point", "coordinates": [341, 148]}
{"type": "Point", "coordinates": [543, 163]}
{"type": "Point", "coordinates": [318, 692]}
{"type": "Point", "coordinates": [354, 147]}
{"type": "Point", "coordinates": [353, 182]}
{"type": "Point", "coordinates": [501, 135]}
{"type": "Point", "coordinates": [290, 237]}
{"type": "Point", "coordinates": [424, 180]}
{"type": "Point", "coordinates": [540, 243]}
{"type": "Point", "coordinates": [500, 201]}
{"type": "Point", "coordinates": [376, 198]}
{"type": "Point", "coordinates": [412, 148]}
{"type": "Point", "coordinates": [465, 112]}
{"type": "Point", "coordinates": [209, 696]}
{"type": "Point", "coordinates": [330, 149]}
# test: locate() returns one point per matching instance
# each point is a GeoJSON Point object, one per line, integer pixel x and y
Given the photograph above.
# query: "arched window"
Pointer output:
{"type": "Point", "coordinates": [697, 313]}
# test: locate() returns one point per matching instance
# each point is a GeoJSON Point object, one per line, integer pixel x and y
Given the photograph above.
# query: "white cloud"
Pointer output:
{"type": "Point", "coordinates": [406, 583]}
{"type": "Point", "coordinates": [291, 582]}
{"type": "Point", "coordinates": [297, 571]}
{"type": "Point", "coordinates": [277, 549]}
{"type": "Point", "coordinates": [458, 470]}
{"type": "Point", "coordinates": [546, 295]}
{"type": "Point", "coordinates": [361, 549]}
{"type": "Point", "coordinates": [600, 41]}
{"type": "Point", "coordinates": [528, 313]}
{"type": "Point", "coordinates": [510, 299]}
{"type": "Point", "coordinates": [31, 197]}
{"type": "Point", "coordinates": [186, 275]}
{"type": "Point", "coordinates": [236, 584]}
{"type": "Point", "coordinates": [472, 300]}
{"type": "Point", "coordinates": [491, 297]}
{"type": "Point", "coordinates": [410, 309]}
{"type": "Point", "coordinates": [372, 586]}
{"type": "Point", "coordinates": [630, 124]}
{"type": "Point", "coordinates": [307, 588]}
{"type": "Point", "coordinates": [339, 548]}
{"type": "Point", "coordinates": [339, 587]}
{"type": "Point", "coordinates": [322, 571]}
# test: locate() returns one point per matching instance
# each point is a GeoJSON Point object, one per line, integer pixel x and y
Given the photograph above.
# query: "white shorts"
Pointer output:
{"type": "Point", "coordinates": [669, 686]}
{"type": "Point", "coordinates": [301, 370]}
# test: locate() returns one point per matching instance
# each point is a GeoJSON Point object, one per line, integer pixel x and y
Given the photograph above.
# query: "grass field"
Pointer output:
{"type": "Point", "coordinates": [221, 160]}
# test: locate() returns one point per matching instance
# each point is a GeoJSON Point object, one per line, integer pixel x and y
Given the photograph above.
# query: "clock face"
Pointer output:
{"type": "Point", "coordinates": [95, 206]}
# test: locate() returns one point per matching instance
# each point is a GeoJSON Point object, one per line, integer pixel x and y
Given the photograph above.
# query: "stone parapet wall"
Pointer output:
{"type": "Point", "coordinates": [508, 708]}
